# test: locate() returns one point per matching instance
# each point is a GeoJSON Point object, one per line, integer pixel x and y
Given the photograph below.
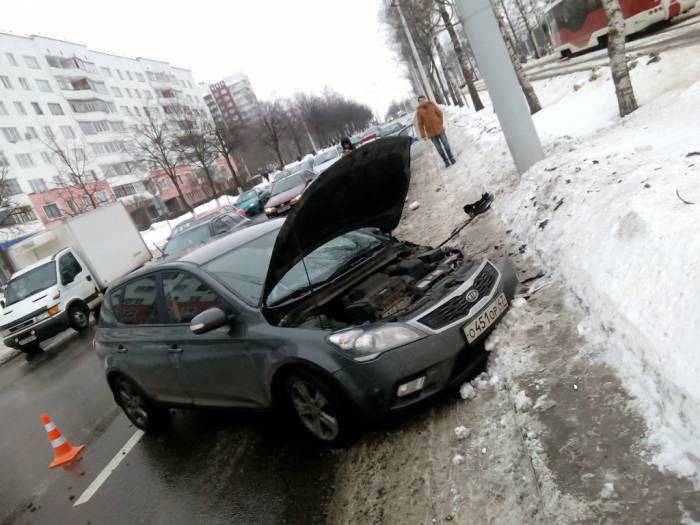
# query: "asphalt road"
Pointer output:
{"type": "Point", "coordinates": [213, 467]}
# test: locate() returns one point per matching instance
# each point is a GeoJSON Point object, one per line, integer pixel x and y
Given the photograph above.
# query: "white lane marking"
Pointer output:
{"type": "Point", "coordinates": [109, 468]}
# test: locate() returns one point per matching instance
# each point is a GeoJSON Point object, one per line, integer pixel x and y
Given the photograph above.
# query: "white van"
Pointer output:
{"type": "Point", "coordinates": [64, 272]}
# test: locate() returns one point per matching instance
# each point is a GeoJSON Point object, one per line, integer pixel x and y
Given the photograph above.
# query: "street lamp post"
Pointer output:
{"type": "Point", "coordinates": [479, 22]}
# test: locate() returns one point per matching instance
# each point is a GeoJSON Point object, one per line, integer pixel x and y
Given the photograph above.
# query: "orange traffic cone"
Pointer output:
{"type": "Point", "coordinates": [63, 451]}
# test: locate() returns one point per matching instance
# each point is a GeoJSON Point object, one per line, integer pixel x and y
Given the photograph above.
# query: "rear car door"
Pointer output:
{"type": "Point", "coordinates": [76, 280]}
{"type": "Point", "coordinates": [216, 367]}
{"type": "Point", "coordinates": [137, 340]}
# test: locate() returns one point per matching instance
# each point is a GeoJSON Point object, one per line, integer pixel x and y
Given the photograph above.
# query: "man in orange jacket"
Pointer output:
{"type": "Point", "coordinates": [430, 125]}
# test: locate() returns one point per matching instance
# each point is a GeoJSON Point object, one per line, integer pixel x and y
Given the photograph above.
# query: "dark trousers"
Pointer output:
{"type": "Point", "coordinates": [443, 148]}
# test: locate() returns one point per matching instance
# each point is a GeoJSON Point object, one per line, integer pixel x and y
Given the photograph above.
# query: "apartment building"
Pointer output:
{"type": "Point", "coordinates": [232, 100]}
{"type": "Point", "coordinates": [85, 101]}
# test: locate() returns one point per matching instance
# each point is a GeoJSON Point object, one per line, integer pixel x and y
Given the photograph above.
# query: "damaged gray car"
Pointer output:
{"type": "Point", "coordinates": [326, 315]}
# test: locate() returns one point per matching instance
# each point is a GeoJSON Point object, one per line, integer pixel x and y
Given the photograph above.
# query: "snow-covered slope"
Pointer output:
{"type": "Point", "coordinates": [606, 211]}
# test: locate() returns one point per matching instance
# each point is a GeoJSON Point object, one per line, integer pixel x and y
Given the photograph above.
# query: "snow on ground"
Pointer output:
{"type": "Point", "coordinates": [605, 212]}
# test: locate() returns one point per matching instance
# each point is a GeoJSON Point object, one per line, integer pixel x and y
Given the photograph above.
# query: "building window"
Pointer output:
{"type": "Point", "coordinates": [67, 132]}
{"type": "Point", "coordinates": [32, 63]}
{"type": "Point", "coordinates": [20, 215]}
{"type": "Point", "coordinates": [20, 108]}
{"type": "Point", "coordinates": [58, 181]}
{"type": "Point", "coordinates": [43, 85]}
{"type": "Point", "coordinates": [55, 109]}
{"type": "Point", "coordinates": [38, 185]}
{"type": "Point", "coordinates": [139, 77]}
{"type": "Point", "coordinates": [11, 134]}
{"type": "Point", "coordinates": [52, 210]}
{"type": "Point", "coordinates": [11, 187]}
{"type": "Point", "coordinates": [37, 108]}
{"type": "Point", "coordinates": [48, 132]}
{"type": "Point", "coordinates": [128, 92]}
{"type": "Point", "coordinates": [79, 155]}
{"type": "Point", "coordinates": [147, 94]}
{"type": "Point", "coordinates": [128, 75]}
{"type": "Point", "coordinates": [6, 82]}
{"type": "Point", "coordinates": [3, 109]}
{"type": "Point", "coordinates": [25, 160]}
{"type": "Point", "coordinates": [11, 59]}
{"type": "Point", "coordinates": [87, 203]}
{"type": "Point", "coordinates": [118, 126]}
{"type": "Point", "coordinates": [23, 82]}
{"type": "Point", "coordinates": [46, 157]}
{"type": "Point", "coordinates": [31, 133]}
{"type": "Point", "coordinates": [106, 72]}
{"type": "Point", "coordinates": [119, 74]}
{"type": "Point", "coordinates": [102, 196]}
{"type": "Point", "coordinates": [73, 206]}
{"type": "Point", "coordinates": [137, 93]}
{"type": "Point", "coordinates": [116, 91]}
{"type": "Point", "coordinates": [138, 112]}
{"type": "Point", "coordinates": [125, 110]}
{"type": "Point", "coordinates": [3, 160]}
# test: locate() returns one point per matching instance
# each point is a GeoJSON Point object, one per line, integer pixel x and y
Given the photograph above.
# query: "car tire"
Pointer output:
{"type": "Point", "coordinates": [319, 409]}
{"type": "Point", "coordinates": [137, 407]}
{"type": "Point", "coordinates": [79, 317]}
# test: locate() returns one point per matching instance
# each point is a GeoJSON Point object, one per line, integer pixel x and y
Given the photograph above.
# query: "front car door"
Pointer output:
{"type": "Point", "coordinates": [75, 279]}
{"type": "Point", "coordinates": [135, 340]}
{"type": "Point", "coordinates": [216, 367]}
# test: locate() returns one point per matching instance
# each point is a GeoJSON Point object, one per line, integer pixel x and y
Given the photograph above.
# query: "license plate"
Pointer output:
{"type": "Point", "coordinates": [478, 326]}
{"type": "Point", "coordinates": [26, 340]}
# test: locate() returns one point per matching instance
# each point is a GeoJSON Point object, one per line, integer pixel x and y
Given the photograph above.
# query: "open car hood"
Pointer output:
{"type": "Point", "coordinates": [365, 189]}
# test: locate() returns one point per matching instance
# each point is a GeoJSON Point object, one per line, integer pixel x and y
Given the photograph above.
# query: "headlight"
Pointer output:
{"type": "Point", "coordinates": [43, 316]}
{"type": "Point", "coordinates": [270, 210]}
{"type": "Point", "coordinates": [366, 344]}
{"type": "Point", "coordinates": [295, 199]}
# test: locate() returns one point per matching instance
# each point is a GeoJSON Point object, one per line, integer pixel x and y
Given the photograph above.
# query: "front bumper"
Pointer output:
{"type": "Point", "coordinates": [444, 358]}
{"type": "Point", "coordinates": [281, 212]}
{"type": "Point", "coordinates": [38, 332]}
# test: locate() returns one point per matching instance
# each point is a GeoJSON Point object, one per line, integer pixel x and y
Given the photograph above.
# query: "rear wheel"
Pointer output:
{"type": "Point", "coordinates": [137, 407]}
{"type": "Point", "coordinates": [79, 317]}
{"type": "Point", "coordinates": [319, 409]}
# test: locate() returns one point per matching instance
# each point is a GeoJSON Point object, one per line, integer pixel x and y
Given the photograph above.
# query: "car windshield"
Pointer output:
{"type": "Point", "coordinates": [391, 128]}
{"type": "Point", "coordinates": [187, 239]}
{"type": "Point", "coordinates": [325, 157]}
{"type": "Point", "coordinates": [30, 283]}
{"type": "Point", "coordinates": [243, 270]}
{"type": "Point", "coordinates": [248, 195]}
{"type": "Point", "coordinates": [287, 184]}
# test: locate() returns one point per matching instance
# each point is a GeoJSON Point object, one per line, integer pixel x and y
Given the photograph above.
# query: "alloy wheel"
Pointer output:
{"type": "Point", "coordinates": [314, 410]}
{"type": "Point", "coordinates": [133, 404]}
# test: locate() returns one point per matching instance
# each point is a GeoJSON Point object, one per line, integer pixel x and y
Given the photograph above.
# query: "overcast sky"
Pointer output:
{"type": "Point", "coordinates": [283, 45]}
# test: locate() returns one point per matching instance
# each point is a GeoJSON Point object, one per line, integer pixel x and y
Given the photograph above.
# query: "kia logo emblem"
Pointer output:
{"type": "Point", "coordinates": [472, 295]}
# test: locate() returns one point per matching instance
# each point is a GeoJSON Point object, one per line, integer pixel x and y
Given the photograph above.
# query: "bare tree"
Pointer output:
{"type": "Point", "coordinates": [8, 207]}
{"type": "Point", "coordinates": [195, 147]}
{"type": "Point", "coordinates": [155, 146]}
{"type": "Point", "coordinates": [525, 84]}
{"type": "Point", "coordinates": [75, 180]}
{"type": "Point", "coordinates": [467, 70]}
{"type": "Point", "coordinates": [272, 127]}
{"type": "Point", "coordinates": [225, 142]}
{"type": "Point", "coordinates": [626, 100]}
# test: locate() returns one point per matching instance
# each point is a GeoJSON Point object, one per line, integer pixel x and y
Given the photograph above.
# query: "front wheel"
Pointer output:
{"type": "Point", "coordinates": [137, 407]}
{"type": "Point", "coordinates": [320, 409]}
{"type": "Point", "coordinates": [79, 317]}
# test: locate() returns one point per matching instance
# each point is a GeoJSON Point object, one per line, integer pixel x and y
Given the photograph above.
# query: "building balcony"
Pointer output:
{"type": "Point", "coordinates": [73, 73]}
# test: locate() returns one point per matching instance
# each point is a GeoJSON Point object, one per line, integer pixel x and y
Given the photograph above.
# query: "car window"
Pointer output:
{"type": "Point", "coordinates": [325, 157]}
{"type": "Point", "coordinates": [68, 268]}
{"type": "Point", "coordinates": [323, 262]}
{"type": "Point", "coordinates": [250, 194]}
{"type": "Point", "coordinates": [186, 296]}
{"type": "Point", "coordinates": [137, 303]}
{"type": "Point", "coordinates": [223, 224]}
{"type": "Point", "coordinates": [187, 239]}
{"type": "Point", "coordinates": [286, 184]}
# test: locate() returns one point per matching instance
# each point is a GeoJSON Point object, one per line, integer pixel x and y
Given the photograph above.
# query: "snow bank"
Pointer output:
{"type": "Point", "coordinates": [605, 211]}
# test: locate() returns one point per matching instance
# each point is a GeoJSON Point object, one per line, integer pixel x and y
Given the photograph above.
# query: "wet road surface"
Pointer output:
{"type": "Point", "coordinates": [210, 467]}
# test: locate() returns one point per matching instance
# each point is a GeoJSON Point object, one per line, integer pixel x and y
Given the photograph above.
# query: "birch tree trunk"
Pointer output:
{"type": "Point", "coordinates": [626, 100]}
{"type": "Point", "coordinates": [462, 57]}
{"type": "Point", "coordinates": [454, 92]}
{"type": "Point", "coordinates": [525, 84]}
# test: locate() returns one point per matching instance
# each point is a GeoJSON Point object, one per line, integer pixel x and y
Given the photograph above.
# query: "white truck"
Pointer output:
{"type": "Point", "coordinates": [63, 273]}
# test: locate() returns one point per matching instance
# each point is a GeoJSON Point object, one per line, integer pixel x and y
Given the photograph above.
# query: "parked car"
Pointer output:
{"type": "Point", "coordinates": [287, 192]}
{"type": "Point", "coordinates": [253, 201]}
{"type": "Point", "coordinates": [200, 231]}
{"type": "Point", "coordinates": [325, 314]}
{"type": "Point", "coordinates": [325, 159]}
{"type": "Point", "coordinates": [391, 129]}
{"type": "Point", "coordinates": [371, 134]}
{"type": "Point", "coordinates": [63, 272]}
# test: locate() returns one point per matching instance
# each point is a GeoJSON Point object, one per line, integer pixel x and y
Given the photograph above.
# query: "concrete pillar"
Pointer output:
{"type": "Point", "coordinates": [507, 97]}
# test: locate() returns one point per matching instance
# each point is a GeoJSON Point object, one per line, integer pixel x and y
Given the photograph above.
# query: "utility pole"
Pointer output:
{"type": "Point", "coordinates": [479, 22]}
{"type": "Point", "coordinates": [421, 69]}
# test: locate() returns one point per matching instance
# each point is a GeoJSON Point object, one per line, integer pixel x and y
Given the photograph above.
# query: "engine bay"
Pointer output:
{"type": "Point", "coordinates": [411, 278]}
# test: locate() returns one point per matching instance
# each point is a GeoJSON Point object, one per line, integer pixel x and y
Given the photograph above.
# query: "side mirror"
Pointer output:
{"type": "Point", "coordinates": [2, 303]}
{"type": "Point", "coordinates": [208, 320]}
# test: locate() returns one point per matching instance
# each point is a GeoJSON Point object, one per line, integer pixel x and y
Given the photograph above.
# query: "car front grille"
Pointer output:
{"type": "Point", "coordinates": [21, 326]}
{"type": "Point", "coordinates": [459, 306]}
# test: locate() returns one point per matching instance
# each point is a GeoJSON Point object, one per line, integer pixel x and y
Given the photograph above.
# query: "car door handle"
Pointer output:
{"type": "Point", "coordinates": [122, 349]}
{"type": "Point", "coordinates": [174, 349]}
